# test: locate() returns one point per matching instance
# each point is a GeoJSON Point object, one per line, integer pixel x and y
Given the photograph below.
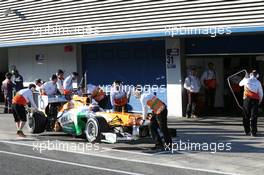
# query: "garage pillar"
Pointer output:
{"type": "Point", "coordinates": [174, 62]}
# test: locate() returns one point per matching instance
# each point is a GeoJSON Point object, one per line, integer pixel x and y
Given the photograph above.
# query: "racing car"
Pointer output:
{"type": "Point", "coordinates": [79, 118]}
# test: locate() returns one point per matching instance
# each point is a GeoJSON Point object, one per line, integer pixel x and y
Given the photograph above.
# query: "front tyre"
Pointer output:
{"type": "Point", "coordinates": [92, 131]}
{"type": "Point", "coordinates": [94, 127]}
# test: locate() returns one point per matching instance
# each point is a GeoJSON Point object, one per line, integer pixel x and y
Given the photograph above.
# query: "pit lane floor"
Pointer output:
{"type": "Point", "coordinates": [58, 153]}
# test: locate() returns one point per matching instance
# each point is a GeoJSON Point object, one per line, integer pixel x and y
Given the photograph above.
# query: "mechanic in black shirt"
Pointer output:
{"type": "Point", "coordinates": [17, 80]}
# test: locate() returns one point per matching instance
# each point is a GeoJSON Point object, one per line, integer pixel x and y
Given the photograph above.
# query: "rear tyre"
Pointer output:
{"type": "Point", "coordinates": [37, 122]}
{"type": "Point", "coordinates": [94, 127]}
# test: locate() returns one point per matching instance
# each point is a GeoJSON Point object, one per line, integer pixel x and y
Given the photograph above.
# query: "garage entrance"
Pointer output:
{"type": "Point", "coordinates": [3, 68]}
{"type": "Point", "coordinates": [229, 55]}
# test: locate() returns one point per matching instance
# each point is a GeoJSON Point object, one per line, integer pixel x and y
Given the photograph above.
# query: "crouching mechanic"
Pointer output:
{"type": "Point", "coordinates": [98, 95]}
{"type": "Point", "coordinates": [158, 119]}
{"type": "Point", "coordinates": [20, 100]}
{"type": "Point", "coordinates": [253, 94]}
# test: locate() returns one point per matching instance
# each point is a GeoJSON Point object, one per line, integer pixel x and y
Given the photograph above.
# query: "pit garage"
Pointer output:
{"type": "Point", "coordinates": [3, 68]}
{"type": "Point", "coordinates": [229, 54]}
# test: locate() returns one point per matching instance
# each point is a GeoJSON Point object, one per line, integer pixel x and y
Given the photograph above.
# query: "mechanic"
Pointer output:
{"type": "Point", "coordinates": [119, 97]}
{"type": "Point", "coordinates": [60, 75]}
{"type": "Point", "coordinates": [68, 83]}
{"type": "Point", "coordinates": [209, 81]}
{"type": "Point", "coordinates": [253, 94]}
{"type": "Point", "coordinates": [17, 80]}
{"type": "Point", "coordinates": [7, 88]}
{"type": "Point", "coordinates": [20, 100]}
{"type": "Point", "coordinates": [50, 89]}
{"type": "Point", "coordinates": [98, 95]}
{"type": "Point", "coordinates": [93, 105]}
{"type": "Point", "coordinates": [192, 85]}
{"type": "Point", "coordinates": [38, 83]}
{"type": "Point", "coordinates": [158, 120]}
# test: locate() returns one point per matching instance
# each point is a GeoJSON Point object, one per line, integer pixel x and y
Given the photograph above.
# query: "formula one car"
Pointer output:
{"type": "Point", "coordinates": [78, 117]}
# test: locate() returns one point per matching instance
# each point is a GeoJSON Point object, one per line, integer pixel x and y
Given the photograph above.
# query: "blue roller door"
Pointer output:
{"type": "Point", "coordinates": [140, 62]}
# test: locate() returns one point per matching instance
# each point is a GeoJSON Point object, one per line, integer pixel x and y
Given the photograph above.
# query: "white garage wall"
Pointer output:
{"type": "Point", "coordinates": [24, 58]}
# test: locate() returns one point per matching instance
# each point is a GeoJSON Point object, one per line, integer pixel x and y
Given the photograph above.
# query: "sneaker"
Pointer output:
{"type": "Point", "coordinates": [247, 133]}
{"type": "Point", "coordinates": [254, 134]}
{"type": "Point", "coordinates": [195, 116]}
{"type": "Point", "coordinates": [157, 147]}
{"type": "Point", "coordinates": [21, 134]}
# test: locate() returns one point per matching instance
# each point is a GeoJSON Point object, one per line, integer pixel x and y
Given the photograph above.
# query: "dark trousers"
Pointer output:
{"type": "Point", "coordinates": [160, 122]}
{"type": "Point", "coordinates": [8, 103]}
{"type": "Point", "coordinates": [192, 101]}
{"type": "Point", "coordinates": [210, 99]}
{"type": "Point", "coordinates": [52, 112]}
{"type": "Point", "coordinates": [19, 113]}
{"type": "Point", "coordinates": [250, 118]}
{"type": "Point", "coordinates": [103, 103]}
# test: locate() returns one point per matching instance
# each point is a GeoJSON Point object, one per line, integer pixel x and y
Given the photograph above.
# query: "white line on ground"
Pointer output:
{"type": "Point", "coordinates": [124, 151]}
{"type": "Point", "coordinates": [130, 159]}
{"type": "Point", "coordinates": [69, 163]}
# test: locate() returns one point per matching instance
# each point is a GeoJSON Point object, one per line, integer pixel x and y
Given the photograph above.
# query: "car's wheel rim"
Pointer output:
{"type": "Point", "coordinates": [91, 131]}
{"type": "Point", "coordinates": [31, 122]}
